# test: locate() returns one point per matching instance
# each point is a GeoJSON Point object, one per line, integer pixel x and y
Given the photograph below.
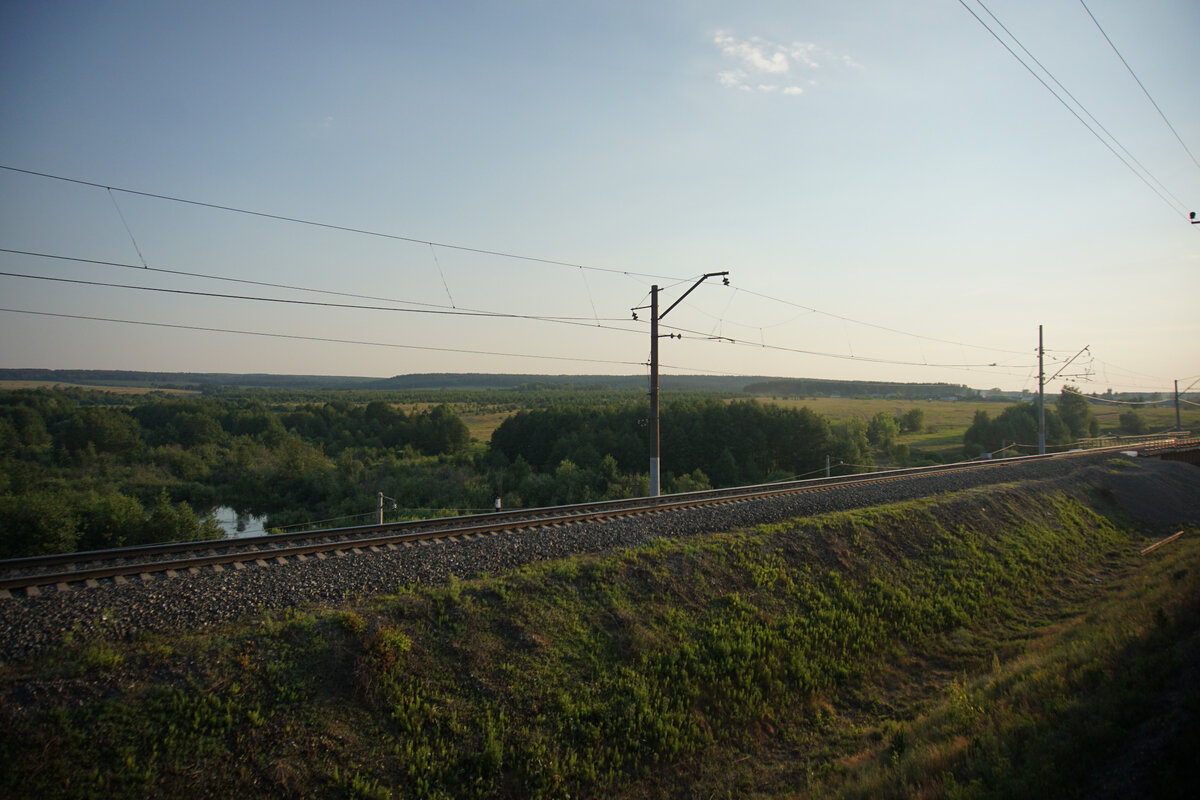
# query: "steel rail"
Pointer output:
{"type": "Point", "coordinates": [90, 567]}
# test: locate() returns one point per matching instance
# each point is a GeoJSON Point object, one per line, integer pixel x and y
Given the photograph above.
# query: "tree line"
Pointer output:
{"type": "Point", "coordinates": [83, 469]}
{"type": "Point", "coordinates": [1068, 419]}
{"type": "Point", "coordinates": [709, 442]}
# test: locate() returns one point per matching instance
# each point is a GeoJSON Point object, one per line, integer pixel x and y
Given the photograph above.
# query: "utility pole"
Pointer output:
{"type": "Point", "coordinates": [1178, 424]}
{"type": "Point", "coordinates": [655, 443]}
{"type": "Point", "coordinates": [383, 497]}
{"type": "Point", "coordinates": [1041, 396]}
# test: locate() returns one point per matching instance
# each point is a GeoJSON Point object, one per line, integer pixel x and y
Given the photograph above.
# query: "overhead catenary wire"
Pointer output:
{"type": "Point", "coordinates": [698, 335]}
{"type": "Point", "coordinates": [360, 342]}
{"type": "Point", "coordinates": [433, 309]}
{"type": "Point", "coordinates": [1146, 91]}
{"type": "Point", "coordinates": [331, 226]}
{"type": "Point", "coordinates": [433, 245]}
{"type": "Point", "coordinates": [1081, 106]}
{"type": "Point", "coordinates": [864, 323]}
{"type": "Point", "coordinates": [1176, 207]}
{"type": "Point", "coordinates": [128, 230]}
{"type": "Point", "coordinates": [445, 285]}
{"type": "Point", "coordinates": [325, 339]}
{"type": "Point", "coordinates": [1110, 401]}
{"type": "Point", "coordinates": [228, 279]}
{"type": "Point", "coordinates": [588, 322]}
{"type": "Point", "coordinates": [420, 307]}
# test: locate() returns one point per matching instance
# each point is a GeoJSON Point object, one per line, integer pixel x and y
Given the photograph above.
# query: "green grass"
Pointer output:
{"type": "Point", "coordinates": [945, 422]}
{"type": "Point", "coordinates": [955, 647]}
{"type": "Point", "coordinates": [1157, 418]}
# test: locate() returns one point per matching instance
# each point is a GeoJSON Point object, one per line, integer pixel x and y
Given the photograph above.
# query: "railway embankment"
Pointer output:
{"type": "Point", "coordinates": [1152, 497]}
{"type": "Point", "coordinates": [1007, 636]}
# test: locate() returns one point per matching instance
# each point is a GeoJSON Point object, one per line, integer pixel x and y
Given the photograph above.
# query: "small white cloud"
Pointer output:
{"type": "Point", "coordinates": [732, 78]}
{"type": "Point", "coordinates": [760, 65]}
{"type": "Point", "coordinates": [754, 53]}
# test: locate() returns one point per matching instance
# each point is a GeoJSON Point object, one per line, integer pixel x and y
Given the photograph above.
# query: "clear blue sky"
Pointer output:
{"type": "Point", "coordinates": [893, 194]}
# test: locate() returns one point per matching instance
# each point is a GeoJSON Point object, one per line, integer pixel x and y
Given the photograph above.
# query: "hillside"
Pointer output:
{"type": "Point", "coordinates": [809, 387]}
{"type": "Point", "coordinates": [434, 381]}
{"type": "Point", "coordinates": [1006, 641]}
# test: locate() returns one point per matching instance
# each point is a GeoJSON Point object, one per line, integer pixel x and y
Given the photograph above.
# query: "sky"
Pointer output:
{"type": "Point", "coordinates": [497, 186]}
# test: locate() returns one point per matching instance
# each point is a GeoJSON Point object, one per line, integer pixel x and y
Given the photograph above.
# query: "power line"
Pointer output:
{"type": "Point", "coordinates": [872, 324]}
{"type": "Point", "coordinates": [330, 226]}
{"type": "Point", "coordinates": [1181, 211]}
{"type": "Point", "coordinates": [434, 309]}
{"type": "Point", "coordinates": [583, 321]}
{"type": "Point", "coordinates": [128, 230]}
{"type": "Point", "coordinates": [325, 339]}
{"type": "Point", "coordinates": [698, 335]}
{"type": "Point", "coordinates": [1098, 399]}
{"type": "Point", "coordinates": [466, 351]}
{"type": "Point", "coordinates": [428, 243]}
{"type": "Point", "coordinates": [246, 281]}
{"type": "Point", "coordinates": [1139, 83]}
{"type": "Point", "coordinates": [1082, 108]}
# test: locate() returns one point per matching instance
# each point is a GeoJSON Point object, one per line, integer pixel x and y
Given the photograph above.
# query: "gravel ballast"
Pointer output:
{"type": "Point", "coordinates": [29, 625]}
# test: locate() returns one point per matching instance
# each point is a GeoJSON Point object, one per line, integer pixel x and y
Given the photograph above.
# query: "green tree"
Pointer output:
{"type": "Point", "coordinates": [35, 523]}
{"type": "Point", "coordinates": [171, 523]}
{"type": "Point", "coordinates": [109, 520]}
{"type": "Point", "coordinates": [1131, 422]}
{"type": "Point", "coordinates": [1017, 424]}
{"type": "Point", "coordinates": [695, 481]}
{"type": "Point", "coordinates": [912, 421]}
{"type": "Point", "coordinates": [882, 431]}
{"type": "Point", "coordinates": [1076, 413]}
{"type": "Point", "coordinates": [109, 430]}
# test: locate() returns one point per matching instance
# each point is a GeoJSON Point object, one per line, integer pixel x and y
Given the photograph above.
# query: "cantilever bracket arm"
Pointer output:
{"type": "Point", "coordinates": [703, 278]}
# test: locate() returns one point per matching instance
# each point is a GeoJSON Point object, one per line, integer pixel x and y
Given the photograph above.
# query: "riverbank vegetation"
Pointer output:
{"type": "Point", "coordinates": [89, 469]}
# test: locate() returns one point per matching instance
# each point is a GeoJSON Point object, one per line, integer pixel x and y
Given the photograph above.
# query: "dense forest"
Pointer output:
{"type": "Point", "coordinates": [85, 469]}
{"type": "Point", "coordinates": [709, 442]}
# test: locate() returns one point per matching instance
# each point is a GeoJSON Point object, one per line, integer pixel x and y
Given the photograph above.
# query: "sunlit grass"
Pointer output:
{"type": "Point", "coordinates": [901, 651]}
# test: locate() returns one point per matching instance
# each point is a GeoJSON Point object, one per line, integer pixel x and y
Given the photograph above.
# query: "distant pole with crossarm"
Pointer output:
{"type": "Point", "coordinates": [656, 453]}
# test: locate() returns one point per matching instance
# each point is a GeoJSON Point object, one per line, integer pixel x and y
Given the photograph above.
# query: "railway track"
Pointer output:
{"type": "Point", "coordinates": [68, 571]}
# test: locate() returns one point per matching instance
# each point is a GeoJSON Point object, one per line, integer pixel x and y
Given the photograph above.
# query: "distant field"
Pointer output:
{"type": "Point", "coordinates": [482, 426]}
{"type": "Point", "coordinates": [1158, 418]}
{"type": "Point", "coordinates": [945, 422]}
{"type": "Point", "coordinates": [938, 413]}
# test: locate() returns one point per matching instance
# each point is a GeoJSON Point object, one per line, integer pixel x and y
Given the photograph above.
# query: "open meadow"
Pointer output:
{"type": "Point", "coordinates": [945, 421]}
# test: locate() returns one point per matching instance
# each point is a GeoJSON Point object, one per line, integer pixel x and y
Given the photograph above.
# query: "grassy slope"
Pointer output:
{"type": "Point", "coordinates": [980, 644]}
